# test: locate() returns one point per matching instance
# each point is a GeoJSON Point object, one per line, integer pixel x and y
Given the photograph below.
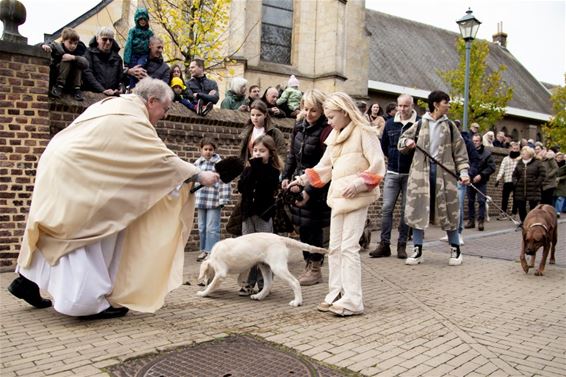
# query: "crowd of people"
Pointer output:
{"type": "Point", "coordinates": [88, 221]}
{"type": "Point", "coordinates": [99, 68]}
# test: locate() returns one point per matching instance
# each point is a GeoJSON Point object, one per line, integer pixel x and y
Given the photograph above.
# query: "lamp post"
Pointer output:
{"type": "Point", "coordinates": [469, 26]}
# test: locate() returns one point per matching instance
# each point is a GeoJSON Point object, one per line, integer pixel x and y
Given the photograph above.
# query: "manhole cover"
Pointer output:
{"type": "Point", "coordinates": [233, 356]}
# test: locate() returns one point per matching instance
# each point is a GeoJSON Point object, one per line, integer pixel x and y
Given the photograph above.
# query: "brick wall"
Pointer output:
{"type": "Point", "coordinates": [24, 124]}
{"type": "Point", "coordinates": [29, 119]}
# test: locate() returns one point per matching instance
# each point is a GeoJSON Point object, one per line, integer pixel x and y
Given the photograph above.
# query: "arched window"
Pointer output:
{"type": "Point", "coordinates": [539, 136]}
{"type": "Point", "coordinates": [504, 130]}
{"type": "Point", "coordinates": [515, 135]}
{"type": "Point", "coordinates": [276, 31]}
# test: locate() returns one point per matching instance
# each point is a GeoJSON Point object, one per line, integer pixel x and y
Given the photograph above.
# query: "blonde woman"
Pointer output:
{"type": "Point", "coordinates": [311, 214]}
{"type": "Point", "coordinates": [527, 179]}
{"type": "Point", "coordinates": [354, 162]}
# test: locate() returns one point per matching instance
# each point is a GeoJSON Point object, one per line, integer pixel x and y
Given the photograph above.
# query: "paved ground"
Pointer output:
{"type": "Point", "coordinates": [485, 317]}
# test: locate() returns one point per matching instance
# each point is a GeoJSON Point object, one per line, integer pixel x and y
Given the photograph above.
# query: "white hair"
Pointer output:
{"type": "Point", "coordinates": [105, 31]}
{"type": "Point", "coordinates": [150, 87]}
{"type": "Point", "coordinates": [237, 83]}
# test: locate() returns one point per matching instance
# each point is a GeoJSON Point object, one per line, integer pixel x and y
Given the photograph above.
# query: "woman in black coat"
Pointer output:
{"type": "Point", "coordinates": [311, 214]}
{"type": "Point", "coordinates": [528, 177]}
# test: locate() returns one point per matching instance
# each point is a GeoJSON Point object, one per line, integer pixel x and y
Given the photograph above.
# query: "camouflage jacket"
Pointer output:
{"type": "Point", "coordinates": [452, 154]}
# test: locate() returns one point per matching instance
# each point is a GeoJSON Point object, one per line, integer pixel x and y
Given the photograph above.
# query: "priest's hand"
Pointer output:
{"type": "Point", "coordinates": [208, 178]}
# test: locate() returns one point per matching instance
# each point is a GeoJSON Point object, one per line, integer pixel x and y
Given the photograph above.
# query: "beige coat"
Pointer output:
{"type": "Point", "coordinates": [353, 155]}
{"type": "Point", "coordinates": [109, 171]}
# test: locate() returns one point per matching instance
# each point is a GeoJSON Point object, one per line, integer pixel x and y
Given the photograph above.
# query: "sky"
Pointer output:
{"type": "Point", "coordinates": [536, 28]}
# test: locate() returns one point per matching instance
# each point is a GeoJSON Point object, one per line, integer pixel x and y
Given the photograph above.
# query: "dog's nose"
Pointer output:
{"type": "Point", "coordinates": [530, 252]}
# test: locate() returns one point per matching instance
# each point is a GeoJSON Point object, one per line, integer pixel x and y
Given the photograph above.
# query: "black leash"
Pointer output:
{"type": "Point", "coordinates": [487, 198]}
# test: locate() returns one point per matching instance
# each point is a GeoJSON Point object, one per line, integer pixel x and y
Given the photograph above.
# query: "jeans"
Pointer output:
{"type": "Point", "coordinates": [208, 227]}
{"type": "Point", "coordinates": [137, 60]}
{"type": "Point", "coordinates": [461, 196]}
{"type": "Point", "coordinates": [559, 203]}
{"type": "Point", "coordinates": [418, 234]}
{"type": "Point", "coordinates": [394, 185]}
{"type": "Point", "coordinates": [474, 196]}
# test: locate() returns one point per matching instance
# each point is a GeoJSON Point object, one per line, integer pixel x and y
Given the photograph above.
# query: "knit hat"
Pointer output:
{"type": "Point", "coordinates": [293, 81]}
{"type": "Point", "coordinates": [177, 82]}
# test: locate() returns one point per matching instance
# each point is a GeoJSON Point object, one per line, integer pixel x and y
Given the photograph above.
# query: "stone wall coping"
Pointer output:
{"type": "Point", "coordinates": [23, 49]}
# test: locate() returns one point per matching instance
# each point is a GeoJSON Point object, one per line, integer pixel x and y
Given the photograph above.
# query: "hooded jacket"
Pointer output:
{"type": "Point", "coordinates": [104, 69]}
{"type": "Point", "coordinates": [138, 38]}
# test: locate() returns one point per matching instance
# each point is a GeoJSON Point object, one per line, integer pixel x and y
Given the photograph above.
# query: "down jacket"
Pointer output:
{"type": "Point", "coordinates": [528, 180]}
{"type": "Point", "coordinates": [104, 70]}
{"type": "Point", "coordinates": [306, 150]}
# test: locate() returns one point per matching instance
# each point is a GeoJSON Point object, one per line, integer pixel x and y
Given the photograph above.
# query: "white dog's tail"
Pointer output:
{"type": "Point", "coordinates": [294, 244]}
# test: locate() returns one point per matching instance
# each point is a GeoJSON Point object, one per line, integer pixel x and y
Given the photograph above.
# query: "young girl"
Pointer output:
{"type": "Point", "coordinates": [260, 124]}
{"type": "Point", "coordinates": [353, 160]}
{"type": "Point", "coordinates": [209, 200]}
{"type": "Point", "coordinates": [258, 185]}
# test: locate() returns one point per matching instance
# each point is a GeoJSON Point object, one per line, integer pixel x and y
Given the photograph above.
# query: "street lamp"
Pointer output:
{"type": "Point", "coordinates": [469, 26]}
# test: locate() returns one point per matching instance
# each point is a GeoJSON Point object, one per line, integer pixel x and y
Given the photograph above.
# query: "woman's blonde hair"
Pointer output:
{"type": "Point", "coordinates": [531, 151]}
{"type": "Point", "coordinates": [340, 101]}
{"type": "Point", "coordinates": [314, 97]}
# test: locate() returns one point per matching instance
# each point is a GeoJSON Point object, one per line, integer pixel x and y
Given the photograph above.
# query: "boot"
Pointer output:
{"type": "Point", "coordinates": [382, 250]}
{"type": "Point", "coordinates": [313, 275]}
{"type": "Point", "coordinates": [480, 225]}
{"type": "Point", "coordinates": [401, 250]}
{"type": "Point", "coordinates": [470, 224]}
{"type": "Point", "coordinates": [28, 291]}
{"type": "Point", "coordinates": [305, 272]}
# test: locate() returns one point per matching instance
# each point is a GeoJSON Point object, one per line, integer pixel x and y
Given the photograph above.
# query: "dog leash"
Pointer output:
{"type": "Point", "coordinates": [487, 198]}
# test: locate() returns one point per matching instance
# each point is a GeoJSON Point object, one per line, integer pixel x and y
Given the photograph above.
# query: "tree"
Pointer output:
{"type": "Point", "coordinates": [554, 131]}
{"type": "Point", "coordinates": [489, 95]}
{"type": "Point", "coordinates": [193, 28]}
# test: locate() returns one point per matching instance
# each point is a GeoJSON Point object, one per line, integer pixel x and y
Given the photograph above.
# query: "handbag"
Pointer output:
{"type": "Point", "coordinates": [281, 219]}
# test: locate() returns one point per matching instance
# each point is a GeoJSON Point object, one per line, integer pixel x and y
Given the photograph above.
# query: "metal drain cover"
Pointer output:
{"type": "Point", "coordinates": [233, 356]}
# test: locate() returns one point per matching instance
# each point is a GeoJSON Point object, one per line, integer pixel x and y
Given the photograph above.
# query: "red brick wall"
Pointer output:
{"type": "Point", "coordinates": [24, 124]}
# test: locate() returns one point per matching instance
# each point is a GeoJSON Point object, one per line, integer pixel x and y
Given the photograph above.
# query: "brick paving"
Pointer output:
{"type": "Point", "coordinates": [483, 318]}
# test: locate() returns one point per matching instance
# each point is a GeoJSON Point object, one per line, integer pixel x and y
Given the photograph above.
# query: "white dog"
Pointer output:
{"type": "Point", "coordinates": [238, 255]}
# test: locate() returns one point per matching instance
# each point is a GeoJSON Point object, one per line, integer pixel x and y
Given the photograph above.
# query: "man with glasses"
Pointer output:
{"type": "Point", "coordinates": [110, 214]}
{"type": "Point", "coordinates": [105, 66]}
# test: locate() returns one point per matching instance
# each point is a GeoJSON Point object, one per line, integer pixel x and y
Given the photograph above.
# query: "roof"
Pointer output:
{"type": "Point", "coordinates": [77, 21]}
{"type": "Point", "coordinates": [409, 55]}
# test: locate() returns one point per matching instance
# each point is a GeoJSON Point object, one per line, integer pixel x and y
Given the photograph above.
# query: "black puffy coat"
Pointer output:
{"type": "Point", "coordinates": [258, 185]}
{"type": "Point", "coordinates": [528, 181]}
{"type": "Point", "coordinates": [104, 70]}
{"type": "Point", "coordinates": [156, 68]}
{"type": "Point", "coordinates": [306, 150]}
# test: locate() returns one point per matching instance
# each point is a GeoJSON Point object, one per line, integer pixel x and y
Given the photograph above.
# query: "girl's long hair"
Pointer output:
{"type": "Point", "coordinates": [262, 107]}
{"type": "Point", "coordinates": [269, 143]}
{"type": "Point", "coordinates": [340, 101]}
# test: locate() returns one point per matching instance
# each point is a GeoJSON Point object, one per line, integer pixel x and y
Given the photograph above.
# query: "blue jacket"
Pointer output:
{"type": "Point", "coordinates": [396, 161]}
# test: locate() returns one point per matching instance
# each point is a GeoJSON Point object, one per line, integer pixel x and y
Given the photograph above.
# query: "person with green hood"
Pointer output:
{"type": "Point", "coordinates": [235, 98]}
{"type": "Point", "coordinates": [136, 50]}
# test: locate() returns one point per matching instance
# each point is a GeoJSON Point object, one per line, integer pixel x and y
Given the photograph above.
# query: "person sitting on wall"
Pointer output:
{"type": "Point", "coordinates": [205, 90]}
{"type": "Point", "coordinates": [67, 64]}
{"type": "Point", "coordinates": [105, 66]}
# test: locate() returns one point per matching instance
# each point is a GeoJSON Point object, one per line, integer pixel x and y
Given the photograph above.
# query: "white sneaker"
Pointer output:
{"type": "Point", "coordinates": [202, 256]}
{"type": "Point", "coordinates": [455, 257]}
{"type": "Point", "coordinates": [445, 238]}
{"type": "Point", "coordinates": [416, 257]}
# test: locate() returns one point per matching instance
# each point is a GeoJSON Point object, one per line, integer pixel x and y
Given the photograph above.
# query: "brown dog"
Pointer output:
{"type": "Point", "coordinates": [539, 229]}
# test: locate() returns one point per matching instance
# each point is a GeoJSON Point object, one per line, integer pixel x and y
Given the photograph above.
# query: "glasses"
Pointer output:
{"type": "Point", "coordinates": [105, 39]}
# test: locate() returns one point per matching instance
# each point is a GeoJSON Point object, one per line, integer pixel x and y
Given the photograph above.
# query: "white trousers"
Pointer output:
{"type": "Point", "coordinates": [345, 269]}
{"type": "Point", "coordinates": [81, 279]}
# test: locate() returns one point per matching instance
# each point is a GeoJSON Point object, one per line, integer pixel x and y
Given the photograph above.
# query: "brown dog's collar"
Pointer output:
{"type": "Point", "coordinates": [539, 224]}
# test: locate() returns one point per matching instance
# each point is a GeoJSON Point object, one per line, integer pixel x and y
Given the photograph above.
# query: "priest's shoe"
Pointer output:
{"type": "Point", "coordinates": [110, 312]}
{"type": "Point", "coordinates": [28, 291]}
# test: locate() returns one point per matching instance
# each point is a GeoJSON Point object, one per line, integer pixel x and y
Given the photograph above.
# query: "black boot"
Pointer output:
{"type": "Point", "coordinates": [28, 291]}
{"type": "Point", "coordinates": [382, 250]}
{"type": "Point", "coordinates": [402, 250]}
